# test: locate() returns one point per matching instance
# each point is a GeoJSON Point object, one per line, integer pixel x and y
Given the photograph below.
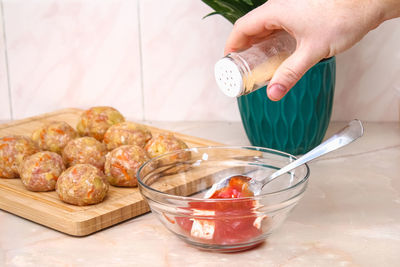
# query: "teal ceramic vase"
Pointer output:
{"type": "Point", "coordinates": [297, 123]}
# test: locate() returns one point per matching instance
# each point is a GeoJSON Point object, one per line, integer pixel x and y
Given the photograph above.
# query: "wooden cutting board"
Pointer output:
{"type": "Point", "coordinates": [47, 209]}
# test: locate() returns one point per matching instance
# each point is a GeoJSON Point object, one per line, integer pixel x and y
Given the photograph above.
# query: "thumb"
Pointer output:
{"type": "Point", "coordinates": [290, 72]}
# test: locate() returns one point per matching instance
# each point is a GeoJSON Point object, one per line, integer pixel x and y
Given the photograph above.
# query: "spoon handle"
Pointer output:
{"type": "Point", "coordinates": [344, 137]}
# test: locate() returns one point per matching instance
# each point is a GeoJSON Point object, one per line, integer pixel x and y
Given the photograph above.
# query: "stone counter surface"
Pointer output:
{"type": "Point", "coordinates": [349, 216]}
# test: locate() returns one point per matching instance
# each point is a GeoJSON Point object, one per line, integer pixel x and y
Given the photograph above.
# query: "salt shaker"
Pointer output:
{"type": "Point", "coordinates": [240, 73]}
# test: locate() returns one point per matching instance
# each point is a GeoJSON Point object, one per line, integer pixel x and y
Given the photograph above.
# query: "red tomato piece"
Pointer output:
{"type": "Point", "coordinates": [234, 220]}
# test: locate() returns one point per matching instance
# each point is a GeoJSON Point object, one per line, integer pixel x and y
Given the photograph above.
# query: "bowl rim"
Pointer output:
{"type": "Point", "coordinates": [263, 149]}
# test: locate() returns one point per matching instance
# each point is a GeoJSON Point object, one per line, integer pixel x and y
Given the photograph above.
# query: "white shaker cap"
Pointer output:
{"type": "Point", "coordinates": [228, 77]}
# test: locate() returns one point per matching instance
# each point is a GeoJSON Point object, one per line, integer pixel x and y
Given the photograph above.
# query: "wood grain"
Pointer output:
{"type": "Point", "coordinates": [45, 207]}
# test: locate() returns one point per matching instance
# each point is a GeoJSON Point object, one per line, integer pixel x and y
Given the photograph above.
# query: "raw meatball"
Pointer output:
{"type": "Point", "coordinates": [13, 150]}
{"type": "Point", "coordinates": [54, 136]}
{"type": "Point", "coordinates": [164, 143]}
{"type": "Point", "coordinates": [82, 184]}
{"type": "Point", "coordinates": [40, 171]}
{"type": "Point", "coordinates": [126, 133]}
{"type": "Point", "coordinates": [95, 121]}
{"type": "Point", "coordinates": [122, 164]}
{"type": "Point", "coordinates": [85, 150]}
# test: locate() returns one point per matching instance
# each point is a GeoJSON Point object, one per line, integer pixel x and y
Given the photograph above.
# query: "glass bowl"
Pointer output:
{"type": "Point", "coordinates": [174, 185]}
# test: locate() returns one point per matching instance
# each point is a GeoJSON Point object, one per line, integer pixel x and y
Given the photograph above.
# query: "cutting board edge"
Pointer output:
{"type": "Point", "coordinates": [20, 209]}
{"type": "Point", "coordinates": [87, 226]}
{"type": "Point", "coordinates": [79, 223]}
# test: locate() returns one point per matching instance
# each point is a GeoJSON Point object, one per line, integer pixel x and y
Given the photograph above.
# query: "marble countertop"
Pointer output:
{"type": "Point", "coordinates": [349, 216]}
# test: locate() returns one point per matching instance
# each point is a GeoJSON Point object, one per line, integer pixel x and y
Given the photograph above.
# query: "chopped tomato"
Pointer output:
{"type": "Point", "coordinates": [238, 187]}
{"type": "Point", "coordinates": [233, 221]}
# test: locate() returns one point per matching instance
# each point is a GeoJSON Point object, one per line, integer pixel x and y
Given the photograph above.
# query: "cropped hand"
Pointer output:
{"type": "Point", "coordinates": [321, 28]}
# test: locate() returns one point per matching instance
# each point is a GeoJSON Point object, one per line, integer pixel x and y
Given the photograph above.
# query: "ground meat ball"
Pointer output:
{"type": "Point", "coordinates": [95, 121]}
{"type": "Point", "coordinates": [40, 171]}
{"type": "Point", "coordinates": [164, 143]}
{"type": "Point", "coordinates": [13, 150]}
{"type": "Point", "coordinates": [54, 136]}
{"type": "Point", "coordinates": [122, 164]}
{"type": "Point", "coordinates": [85, 150]}
{"type": "Point", "coordinates": [82, 184]}
{"type": "Point", "coordinates": [126, 133]}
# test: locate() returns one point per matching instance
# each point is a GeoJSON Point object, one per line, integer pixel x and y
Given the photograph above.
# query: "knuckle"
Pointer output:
{"type": "Point", "coordinates": [238, 23]}
{"type": "Point", "coordinates": [291, 75]}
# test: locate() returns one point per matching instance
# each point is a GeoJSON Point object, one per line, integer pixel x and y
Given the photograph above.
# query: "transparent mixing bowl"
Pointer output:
{"type": "Point", "coordinates": [174, 185]}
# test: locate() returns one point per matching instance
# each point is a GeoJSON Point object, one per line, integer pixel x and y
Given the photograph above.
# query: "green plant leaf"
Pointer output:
{"type": "Point", "coordinates": [232, 9]}
{"type": "Point", "coordinates": [257, 3]}
{"type": "Point", "coordinates": [210, 14]}
{"type": "Point", "coordinates": [249, 2]}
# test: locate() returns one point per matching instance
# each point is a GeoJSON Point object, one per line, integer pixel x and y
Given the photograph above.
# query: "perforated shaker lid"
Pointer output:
{"type": "Point", "coordinates": [228, 77]}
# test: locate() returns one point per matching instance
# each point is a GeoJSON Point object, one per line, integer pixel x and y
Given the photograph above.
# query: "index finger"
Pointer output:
{"type": "Point", "coordinates": [249, 29]}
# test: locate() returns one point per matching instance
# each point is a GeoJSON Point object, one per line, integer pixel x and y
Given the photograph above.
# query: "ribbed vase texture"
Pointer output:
{"type": "Point", "coordinates": [298, 122]}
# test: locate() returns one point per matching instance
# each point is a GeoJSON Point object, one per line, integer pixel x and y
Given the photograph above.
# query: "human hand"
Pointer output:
{"type": "Point", "coordinates": [321, 28]}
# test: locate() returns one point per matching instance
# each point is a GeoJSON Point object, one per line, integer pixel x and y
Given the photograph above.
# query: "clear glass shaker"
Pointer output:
{"type": "Point", "coordinates": [240, 73]}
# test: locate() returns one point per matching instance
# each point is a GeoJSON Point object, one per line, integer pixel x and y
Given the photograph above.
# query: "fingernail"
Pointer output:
{"type": "Point", "coordinates": [276, 91]}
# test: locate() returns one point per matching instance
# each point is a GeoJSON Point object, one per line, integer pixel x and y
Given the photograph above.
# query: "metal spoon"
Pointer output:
{"type": "Point", "coordinates": [345, 136]}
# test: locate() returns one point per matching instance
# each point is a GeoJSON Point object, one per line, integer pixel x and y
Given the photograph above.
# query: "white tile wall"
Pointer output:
{"type": "Point", "coordinates": [82, 53]}
{"type": "Point", "coordinates": [368, 75]}
{"type": "Point", "coordinates": [179, 53]}
{"type": "Point", "coordinates": [73, 54]}
{"type": "Point", "coordinates": [4, 95]}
